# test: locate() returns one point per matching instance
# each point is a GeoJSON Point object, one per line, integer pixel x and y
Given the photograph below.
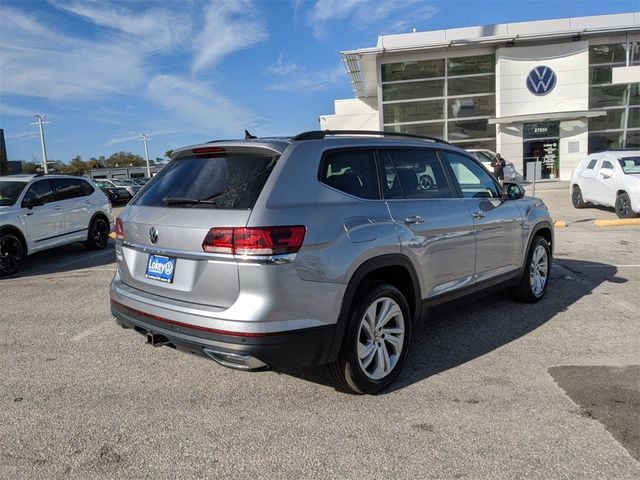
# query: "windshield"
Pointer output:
{"type": "Point", "coordinates": [220, 182]}
{"type": "Point", "coordinates": [102, 184]}
{"type": "Point", "coordinates": [123, 183]}
{"type": "Point", "coordinates": [630, 165]}
{"type": "Point", "coordinates": [10, 191]}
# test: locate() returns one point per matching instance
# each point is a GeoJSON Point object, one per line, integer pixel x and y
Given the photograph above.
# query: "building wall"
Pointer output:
{"type": "Point", "coordinates": [352, 114]}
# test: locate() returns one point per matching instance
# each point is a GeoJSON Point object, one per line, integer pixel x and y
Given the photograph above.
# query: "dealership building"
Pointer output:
{"type": "Point", "coordinates": [544, 94]}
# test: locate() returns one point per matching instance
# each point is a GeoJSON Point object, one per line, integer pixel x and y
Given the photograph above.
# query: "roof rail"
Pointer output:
{"type": "Point", "coordinates": [320, 134]}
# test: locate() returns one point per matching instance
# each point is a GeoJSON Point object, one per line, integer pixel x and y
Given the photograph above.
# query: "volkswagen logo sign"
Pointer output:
{"type": "Point", "coordinates": [153, 234]}
{"type": "Point", "coordinates": [541, 80]}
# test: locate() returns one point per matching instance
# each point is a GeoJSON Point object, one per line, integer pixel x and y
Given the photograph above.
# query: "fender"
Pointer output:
{"type": "Point", "coordinates": [389, 260]}
{"type": "Point", "coordinates": [536, 228]}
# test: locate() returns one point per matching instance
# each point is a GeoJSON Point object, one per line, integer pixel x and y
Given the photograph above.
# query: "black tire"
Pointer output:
{"type": "Point", "coordinates": [98, 235]}
{"type": "Point", "coordinates": [348, 370]}
{"type": "Point", "coordinates": [623, 206]}
{"type": "Point", "coordinates": [576, 197]}
{"type": "Point", "coordinates": [11, 253]}
{"type": "Point", "coordinates": [527, 290]}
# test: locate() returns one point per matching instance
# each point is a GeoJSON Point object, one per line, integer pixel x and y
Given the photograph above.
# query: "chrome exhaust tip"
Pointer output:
{"type": "Point", "coordinates": [239, 361]}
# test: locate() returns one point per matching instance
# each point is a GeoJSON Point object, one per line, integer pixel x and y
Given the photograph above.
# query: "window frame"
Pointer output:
{"type": "Point", "coordinates": [26, 192]}
{"type": "Point", "coordinates": [323, 164]}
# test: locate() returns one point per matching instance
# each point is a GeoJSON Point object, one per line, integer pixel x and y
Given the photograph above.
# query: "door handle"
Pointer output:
{"type": "Point", "coordinates": [25, 215]}
{"type": "Point", "coordinates": [417, 220]}
{"type": "Point", "coordinates": [478, 215]}
{"type": "Point", "coordinates": [56, 208]}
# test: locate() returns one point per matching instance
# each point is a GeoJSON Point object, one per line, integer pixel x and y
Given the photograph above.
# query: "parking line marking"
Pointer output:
{"type": "Point", "coordinates": [609, 266]}
{"type": "Point", "coordinates": [90, 331]}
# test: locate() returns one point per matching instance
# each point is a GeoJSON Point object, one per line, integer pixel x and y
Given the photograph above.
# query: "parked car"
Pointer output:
{"type": "Point", "coordinates": [486, 156]}
{"type": "Point", "coordinates": [611, 179]}
{"type": "Point", "coordinates": [39, 212]}
{"type": "Point", "coordinates": [142, 181]}
{"type": "Point", "coordinates": [117, 195]}
{"type": "Point", "coordinates": [131, 186]}
{"type": "Point", "coordinates": [324, 248]}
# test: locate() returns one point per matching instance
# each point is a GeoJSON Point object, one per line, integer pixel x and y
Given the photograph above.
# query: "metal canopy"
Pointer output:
{"type": "Point", "coordinates": [543, 117]}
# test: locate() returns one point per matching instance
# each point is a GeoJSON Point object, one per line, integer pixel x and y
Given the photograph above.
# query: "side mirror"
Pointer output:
{"type": "Point", "coordinates": [32, 202]}
{"type": "Point", "coordinates": [513, 191]}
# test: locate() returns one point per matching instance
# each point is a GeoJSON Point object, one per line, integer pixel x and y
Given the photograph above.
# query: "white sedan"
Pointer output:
{"type": "Point", "coordinates": [611, 179]}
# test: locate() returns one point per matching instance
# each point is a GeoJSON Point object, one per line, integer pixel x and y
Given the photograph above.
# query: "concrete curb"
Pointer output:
{"type": "Point", "coordinates": [619, 222]}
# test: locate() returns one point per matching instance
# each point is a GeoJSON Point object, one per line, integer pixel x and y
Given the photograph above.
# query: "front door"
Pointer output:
{"type": "Point", "coordinates": [434, 226]}
{"type": "Point", "coordinates": [45, 220]}
{"type": "Point", "coordinates": [541, 152]}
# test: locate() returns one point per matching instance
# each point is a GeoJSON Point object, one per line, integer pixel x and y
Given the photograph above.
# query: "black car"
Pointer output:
{"type": "Point", "coordinates": [116, 194]}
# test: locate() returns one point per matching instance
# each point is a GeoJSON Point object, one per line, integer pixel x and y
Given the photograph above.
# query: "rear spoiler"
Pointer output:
{"type": "Point", "coordinates": [253, 149]}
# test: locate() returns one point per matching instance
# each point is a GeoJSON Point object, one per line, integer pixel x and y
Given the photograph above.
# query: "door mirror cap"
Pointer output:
{"type": "Point", "coordinates": [31, 202]}
{"type": "Point", "coordinates": [513, 191]}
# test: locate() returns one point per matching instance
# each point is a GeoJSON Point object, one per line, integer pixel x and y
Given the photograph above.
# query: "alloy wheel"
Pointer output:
{"type": "Point", "coordinates": [539, 270]}
{"type": "Point", "coordinates": [10, 254]}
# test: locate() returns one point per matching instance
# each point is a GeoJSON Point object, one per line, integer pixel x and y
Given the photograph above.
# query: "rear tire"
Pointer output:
{"type": "Point", "coordinates": [376, 341]}
{"type": "Point", "coordinates": [576, 197]}
{"type": "Point", "coordinates": [535, 278]}
{"type": "Point", "coordinates": [623, 206]}
{"type": "Point", "coordinates": [11, 254]}
{"type": "Point", "coordinates": [98, 235]}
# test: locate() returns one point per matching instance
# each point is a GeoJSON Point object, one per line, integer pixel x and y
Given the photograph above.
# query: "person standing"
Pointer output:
{"type": "Point", "coordinates": [498, 165]}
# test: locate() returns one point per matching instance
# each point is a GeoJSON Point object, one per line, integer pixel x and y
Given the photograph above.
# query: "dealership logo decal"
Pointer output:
{"type": "Point", "coordinates": [541, 80]}
{"type": "Point", "coordinates": [153, 234]}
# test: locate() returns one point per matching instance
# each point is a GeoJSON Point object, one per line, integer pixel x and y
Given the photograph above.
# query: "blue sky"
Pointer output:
{"type": "Point", "coordinates": [190, 71]}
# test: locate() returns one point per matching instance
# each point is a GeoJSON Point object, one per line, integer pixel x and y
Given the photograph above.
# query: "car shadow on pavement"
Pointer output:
{"type": "Point", "coordinates": [65, 259]}
{"type": "Point", "coordinates": [452, 337]}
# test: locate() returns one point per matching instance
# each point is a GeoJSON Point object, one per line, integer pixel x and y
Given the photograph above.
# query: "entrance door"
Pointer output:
{"type": "Point", "coordinates": [541, 144]}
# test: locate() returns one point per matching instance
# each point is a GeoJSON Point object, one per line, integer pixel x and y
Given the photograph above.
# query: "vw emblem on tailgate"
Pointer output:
{"type": "Point", "coordinates": [153, 234]}
{"type": "Point", "coordinates": [541, 80]}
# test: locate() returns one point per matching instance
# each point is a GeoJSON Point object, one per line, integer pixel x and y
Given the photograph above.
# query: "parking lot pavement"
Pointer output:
{"type": "Point", "coordinates": [494, 389]}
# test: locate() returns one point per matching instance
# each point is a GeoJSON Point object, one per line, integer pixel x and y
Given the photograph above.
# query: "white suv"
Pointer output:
{"type": "Point", "coordinates": [611, 179]}
{"type": "Point", "coordinates": [39, 212]}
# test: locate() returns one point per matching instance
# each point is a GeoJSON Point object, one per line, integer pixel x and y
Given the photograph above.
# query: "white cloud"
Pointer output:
{"type": "Point", "coordinates": [230, 25]}
{"type": "Point", "coordinates": [131, 135]}
{"type": "Point", "coordinates": [398, 15]}
{"type": "Point", "coordinates": [23, 136]}
{"type": "Point", "coordinates": [15, 111]}
{"type": "Point", "coordinates": [295, 78]}
{"type": "Point", "coordinates": [196, 104]}
{"type": "Point", "coordinates": [49, 64]}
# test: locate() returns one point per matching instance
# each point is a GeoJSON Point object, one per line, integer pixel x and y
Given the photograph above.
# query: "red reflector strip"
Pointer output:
{"type": "Point", "coordinates": [199, 151]}
{"type": "Point", "coordinates": [193, 327]}
{"type": "Point", "coordinates": [119, 229]}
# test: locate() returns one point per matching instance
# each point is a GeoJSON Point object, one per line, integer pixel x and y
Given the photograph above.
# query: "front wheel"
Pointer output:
{"type": "Point", "coordinates": [535, 278]}
{"type": "Point", "coordinates": [98, 236]}
{"type": "Point", "coordinates": [11, 254]}
{"type": "Point", "coordinates": [376, 341]}
{"type": "Point", "coordinates": [623, 206]}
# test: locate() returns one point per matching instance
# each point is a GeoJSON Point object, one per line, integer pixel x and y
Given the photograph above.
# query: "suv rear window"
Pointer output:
{"type": "Point", "coordinates": [218, 182]}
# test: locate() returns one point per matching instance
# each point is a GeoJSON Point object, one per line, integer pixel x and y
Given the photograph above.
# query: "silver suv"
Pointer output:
{"type": "Point", "coordinates": [324, 248]}
{"type": "Point", "coordinates": [40, 212]}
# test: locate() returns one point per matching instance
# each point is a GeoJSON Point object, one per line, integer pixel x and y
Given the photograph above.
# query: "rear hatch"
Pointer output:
{"type": "Point", "coordinates": [166, 224]}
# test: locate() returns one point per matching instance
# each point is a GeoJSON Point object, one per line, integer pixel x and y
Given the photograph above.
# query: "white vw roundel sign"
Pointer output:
{"type": "Point", "coordinates": [541, 80]}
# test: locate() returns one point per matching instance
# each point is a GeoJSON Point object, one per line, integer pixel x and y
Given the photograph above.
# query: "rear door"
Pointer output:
{"type": "Point", "coordinates": [434, 225]}
{"type": "Point", "coordinates": [45, 221]}
{"type": "Point", "coordinates": [604, 184]}
{"type": "Point", "coordinates": [498, 223]}
{"type": "Point", "coordinates": [165, 226]}
{"type": "Point", "coordinates": [587, 180]}
{"type": "Point", "coordinates": [70, 198]}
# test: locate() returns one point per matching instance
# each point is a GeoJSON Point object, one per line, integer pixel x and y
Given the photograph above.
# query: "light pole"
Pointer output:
{"type": "Point", "coordinates": [146, 153]}
{"type": "Point", "coordinates": [40, 124]}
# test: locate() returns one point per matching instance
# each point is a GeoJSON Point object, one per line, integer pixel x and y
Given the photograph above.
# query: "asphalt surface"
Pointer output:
{"type": "Point", "coordinates": [480, 397]}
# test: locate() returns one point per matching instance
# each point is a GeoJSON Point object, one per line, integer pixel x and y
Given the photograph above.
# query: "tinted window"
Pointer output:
{"type": "Point", "coordinates": [67, 188]}
{"type": "Point", "coordinates": [86, 188]}
{"type": "Point", "coordinates": [40, 192]}
{"type": "Point", "coordinates": [592, 164]}
{"type": "Point", "coordinates": [220, 182]}
{"type": "Point", "coordinates": [352, 172]}
{"type": "Point", "coordinates": [10, 191]}
{"type": "Point", "coordinates": [606, 164]}
{"type": "Point", "coordinates": [474, 180]}
{"type": "Point", "coordinates": [414, 174]}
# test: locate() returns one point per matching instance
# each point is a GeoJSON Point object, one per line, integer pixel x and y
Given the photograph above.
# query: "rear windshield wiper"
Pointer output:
{"type": "Point", "coordinates": [193, 201]}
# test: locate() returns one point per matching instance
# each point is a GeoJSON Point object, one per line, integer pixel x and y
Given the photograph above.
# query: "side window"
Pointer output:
{"type": "Point", "coordinates": [606, 164]}
{"type": "Point", "coordinates": [85, 188]}
{"type": "Point", "coordinates": [414, 174]}
{"type": "Point", "coordinates": [67, 188]}
{"type": "Point", "coordinates": [474, 180]}
{"type": "Point", "coordinates": [592, 164]}
{"type": "Point", "coordinates": [40, 193]}
{"type": "Point", "coordinates": [352, 172]}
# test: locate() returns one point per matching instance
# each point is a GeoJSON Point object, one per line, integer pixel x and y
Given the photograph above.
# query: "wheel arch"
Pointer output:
{"type": "Point", "coordinates": [16, 231]}
{"type": "Point", "coordinates": [394, 269]}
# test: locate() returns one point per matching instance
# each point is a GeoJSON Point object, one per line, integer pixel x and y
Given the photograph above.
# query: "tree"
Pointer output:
{"type": "Point", "coordinates": [96, 162]}
{"type": "Point", "coordinates": [168, 154]}
{"type": "Point", "coordinates": [31, 167]}
{"type": "Point", "coordinates": [76, 166]}
{"type": "Point", "coordinates": [125, 159]}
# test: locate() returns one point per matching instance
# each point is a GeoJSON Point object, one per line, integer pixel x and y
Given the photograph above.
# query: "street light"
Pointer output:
{"type": "Point", "coordinates": [40, 124]}
{"type": "Point", "coordinates": [146, 152]}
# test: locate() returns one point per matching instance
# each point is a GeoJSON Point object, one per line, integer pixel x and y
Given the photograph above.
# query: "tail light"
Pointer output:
{"type": "Point", "coordinates": [119, 229]}
{"type": "Point", "coordinates": [254, 241]}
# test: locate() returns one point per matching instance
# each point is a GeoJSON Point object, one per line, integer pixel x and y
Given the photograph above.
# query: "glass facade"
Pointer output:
{"type": "Point", "coordinates": [619, 128]}
{"type": "Point", "coordinates": [452, 98]}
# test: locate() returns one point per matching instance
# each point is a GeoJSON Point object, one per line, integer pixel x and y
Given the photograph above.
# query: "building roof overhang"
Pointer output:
{"type": "Point", "coordinates": [545, 117]}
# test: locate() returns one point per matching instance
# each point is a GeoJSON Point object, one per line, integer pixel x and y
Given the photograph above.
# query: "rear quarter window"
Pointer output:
{"type": "Point", "coordinates": [351, 171]}
{"type": "Point", "coordinates": [217, 182]}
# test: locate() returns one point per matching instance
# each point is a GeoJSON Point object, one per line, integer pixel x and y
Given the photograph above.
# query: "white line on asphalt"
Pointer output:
{"type": "Point", "coordinates": [607, 266]}
{"type": "Point", "coordinates": [90, 331]}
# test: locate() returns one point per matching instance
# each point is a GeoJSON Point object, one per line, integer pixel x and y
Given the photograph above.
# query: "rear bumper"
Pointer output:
{"type": "Point", "coordinates": [290, 349]}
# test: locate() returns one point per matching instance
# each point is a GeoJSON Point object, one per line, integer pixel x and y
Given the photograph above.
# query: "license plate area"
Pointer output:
{"type": "Point", "coordinates": [161, 268]}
